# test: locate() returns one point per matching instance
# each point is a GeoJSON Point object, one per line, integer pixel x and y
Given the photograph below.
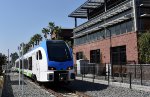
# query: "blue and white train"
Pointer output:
{"type": "Point", "coordinates": [51, 61]}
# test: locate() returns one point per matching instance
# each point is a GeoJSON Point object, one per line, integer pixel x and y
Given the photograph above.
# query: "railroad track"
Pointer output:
{"type": "Point", "coordinates": [64, 91]}
{"type": "Point", "coordinates": [60, 90]}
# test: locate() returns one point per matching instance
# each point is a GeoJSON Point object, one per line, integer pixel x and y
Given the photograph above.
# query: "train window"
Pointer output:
{"type": "Point", "coordinates": [30, 63]}
{"type": "Point", "coordinates": [37, 55]}
{"type": "Point", "coordinates": [17, 64]}
{"type": "Point", "coordinates": [25, 64]}
{"type": "Point", "coordinates": [20, 64]}
{"type": "Point", "coordinates": [40, 55]}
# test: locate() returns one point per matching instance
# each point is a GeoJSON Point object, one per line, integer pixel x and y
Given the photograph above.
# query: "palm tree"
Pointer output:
{"type": "Point", "coordinates": [32, 41]}
{"type": "Point", "coordinates": [57, 30]}
{"type": "Point", "coordinates": [45, 31]}
{"type": "Point", "coordinates": [30, 44]}
{"type": "Point", "coordinates": [26, 48]}
{"type": "Point", "coordinates": [51, 27]}
{"type": "Point", "coordinates": [37, 38]}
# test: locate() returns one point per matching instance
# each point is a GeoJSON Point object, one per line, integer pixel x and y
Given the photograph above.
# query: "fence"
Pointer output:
{"type": "Point", "coordinates": [128, 73]}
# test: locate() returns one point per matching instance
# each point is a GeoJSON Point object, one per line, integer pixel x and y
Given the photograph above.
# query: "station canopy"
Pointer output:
{"type": "Point", "coordinates": [81, 12]}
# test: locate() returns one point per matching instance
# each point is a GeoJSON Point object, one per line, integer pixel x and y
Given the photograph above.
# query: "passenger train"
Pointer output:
{"type": "Point", "coordinates": [51, 61]}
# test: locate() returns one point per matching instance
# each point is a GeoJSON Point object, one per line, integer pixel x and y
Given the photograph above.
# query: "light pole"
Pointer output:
{"type": "Point", "coordinates": [110, 51]}
{"type": "Point", "coordinates": [19, 65]}
{"type": "Point", "coordinates": [105, 4]}
{"type": "Point", "coordinates": [21, 51]}
{"type": "Point", "coordinates": [22, 46]}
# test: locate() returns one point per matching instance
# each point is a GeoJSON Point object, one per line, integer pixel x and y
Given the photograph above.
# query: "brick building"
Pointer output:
{"type": "Point", "coordinates": [110, 34]}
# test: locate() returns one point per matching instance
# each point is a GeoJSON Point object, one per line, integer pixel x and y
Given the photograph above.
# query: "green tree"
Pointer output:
{"type": "Point", "coordinates": [26, 48]}
{"type": "Point", "coordinates": [3, 61]}
{"type": "Point", "coordinates": [51, 27]}
{"type": "Point", "coordinates": [45, 31]}
{"type": "Point", "coordinates": [37, 39]}
{"type": "Point", "coordinates": [14, 57]}
{"type": "Point", "coordinates": [144, 47]}
{"type": "Point", "coordinates": [32, 41]}
{"type": "Point", "coordinates": [57, 31]}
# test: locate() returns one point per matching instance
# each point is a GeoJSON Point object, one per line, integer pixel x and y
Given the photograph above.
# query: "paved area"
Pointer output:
{"type": "Point", "coordinates": [11, 88]}
{"type": "Point", "coordinates": [100, 88]}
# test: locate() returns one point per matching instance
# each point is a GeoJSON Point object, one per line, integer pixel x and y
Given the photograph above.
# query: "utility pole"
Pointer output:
{"type": "Point", "coordinates": [22, 66]}
{"type": "Point", "coordinates": [19, 66]}
{"type": "Point", "coordinates": [7, 65]}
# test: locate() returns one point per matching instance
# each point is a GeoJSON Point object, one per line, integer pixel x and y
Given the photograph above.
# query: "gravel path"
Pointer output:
{"type": "Point", "coordinates": [11, 88]}
{"type": "Point", "coordinates": [100, 90]}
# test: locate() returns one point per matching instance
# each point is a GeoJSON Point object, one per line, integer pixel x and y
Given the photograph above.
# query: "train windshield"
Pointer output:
{"type": "Point", "coordinates": [58, 51]}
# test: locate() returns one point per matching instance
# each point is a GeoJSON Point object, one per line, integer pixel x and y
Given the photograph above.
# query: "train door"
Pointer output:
{"type": "Point", "coordinates": [34, 63]}
{"type": "Point", "coordinates": [40, 61]}
{"type": "Point", "coordinates": [37, 66]}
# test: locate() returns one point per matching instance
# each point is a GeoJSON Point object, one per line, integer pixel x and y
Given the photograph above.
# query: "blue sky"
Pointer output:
{"type": "Point", "coordinates": [21, 19]}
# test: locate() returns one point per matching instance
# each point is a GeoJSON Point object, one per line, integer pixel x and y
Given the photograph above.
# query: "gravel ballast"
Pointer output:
{"type": "Point", "coordinates": [30, 89]}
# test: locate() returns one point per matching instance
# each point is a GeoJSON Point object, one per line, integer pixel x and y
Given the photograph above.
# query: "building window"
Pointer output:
{"type": "Point", "coordinates": [129, 26]}
{"type": "Point", "coordinates": [95, 56]}
{"type": "Point", "coordinates": [117, 29]}
{"type": "Point", "coordinates": [79, 55]}
{"type": "Point", "coordinates": [120, 28]}
{"type": "Point", "coordinates": [123, 28]}
{"type": "Point", "coordinates": [112, 29]}
{"type": "Point", "coordinates": [119, 55]}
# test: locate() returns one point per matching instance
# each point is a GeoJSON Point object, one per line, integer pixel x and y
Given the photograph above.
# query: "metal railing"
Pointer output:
{"type": "Point", "coordinates": [138, 74]}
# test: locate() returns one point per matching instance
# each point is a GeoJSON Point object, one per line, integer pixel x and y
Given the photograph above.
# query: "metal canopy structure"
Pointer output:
{"type": "Point", "coordinates": [123, 18]}
{"type": "Point", "coordinates": [82, 11]}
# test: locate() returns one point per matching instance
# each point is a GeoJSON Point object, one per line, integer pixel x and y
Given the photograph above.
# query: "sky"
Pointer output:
{"type": "Point", "coordinates": [21, 19]}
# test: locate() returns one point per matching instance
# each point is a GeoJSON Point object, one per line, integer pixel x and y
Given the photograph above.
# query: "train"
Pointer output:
{"type": "Point", "coordinates": [50, 61]}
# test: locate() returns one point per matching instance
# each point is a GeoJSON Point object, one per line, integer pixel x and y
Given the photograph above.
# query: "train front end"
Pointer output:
{"type": "Point", "coordinates": [60, 62]}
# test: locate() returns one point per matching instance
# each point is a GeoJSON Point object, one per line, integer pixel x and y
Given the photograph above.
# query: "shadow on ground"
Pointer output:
{"type": "Point", "coordinates": [78, 85]}
{"type": "Point", "coordinates": [7, 88]}
{"type": "Point", "coordinates": [84, 86]}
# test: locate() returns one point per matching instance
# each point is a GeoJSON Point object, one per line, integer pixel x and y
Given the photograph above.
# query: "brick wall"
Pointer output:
{"type": "Point", "coordinates": [128, 39]}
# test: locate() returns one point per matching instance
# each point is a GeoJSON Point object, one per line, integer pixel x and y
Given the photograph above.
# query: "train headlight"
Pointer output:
{"type": "Point", "coordinates": [51, 68]}
{"type": "Point", "coordinates": [70, 68]}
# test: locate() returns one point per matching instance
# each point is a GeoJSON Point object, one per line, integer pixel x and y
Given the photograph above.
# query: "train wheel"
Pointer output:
{"type": "Point", "coordinates": [37, 82]}
{"type": "Point", "coordinates": [40, 84]}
